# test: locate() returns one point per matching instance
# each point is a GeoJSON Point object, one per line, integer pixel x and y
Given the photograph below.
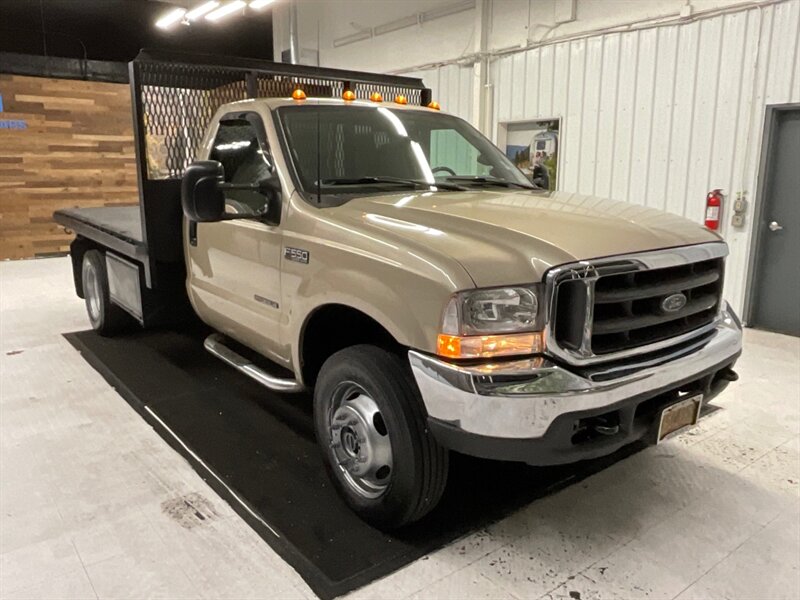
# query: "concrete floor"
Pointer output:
{"type": "Point", "coordinates": [86, 488]}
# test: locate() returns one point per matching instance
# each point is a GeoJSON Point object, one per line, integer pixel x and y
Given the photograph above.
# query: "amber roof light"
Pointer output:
{"type": "Point", "coordinates": [434, 105]}
{"type": "Point", "coordinates": [401, 99]}
{"type": "Point", "coordinates": [376, 97]}
{"type": "Point", "coordinates": [299, 94]}
{"type": "Point", "coordinates": [349, 95]}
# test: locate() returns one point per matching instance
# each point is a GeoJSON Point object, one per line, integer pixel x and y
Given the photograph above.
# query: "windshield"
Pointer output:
{"type": "Point", "coordinates": [349, 150]}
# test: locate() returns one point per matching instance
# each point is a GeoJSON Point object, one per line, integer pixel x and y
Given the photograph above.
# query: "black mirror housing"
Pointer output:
{"type": "Point", "coordinates": [202, 199]}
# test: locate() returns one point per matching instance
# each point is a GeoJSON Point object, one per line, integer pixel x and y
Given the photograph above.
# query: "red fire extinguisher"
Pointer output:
{"type": "Point", "coordinates": [713, 209]}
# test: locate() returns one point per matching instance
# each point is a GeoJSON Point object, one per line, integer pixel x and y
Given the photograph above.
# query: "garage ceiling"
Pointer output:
{"type": "Point", "coordinates": [116, 30]}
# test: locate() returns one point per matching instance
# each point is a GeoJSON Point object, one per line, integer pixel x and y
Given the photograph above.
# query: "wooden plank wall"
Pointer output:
{"type": "Point", "coordinates": [77, 150]}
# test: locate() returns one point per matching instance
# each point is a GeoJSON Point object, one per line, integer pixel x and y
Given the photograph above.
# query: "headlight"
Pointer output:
{"type": "Point", "coordinates": [492, 322]}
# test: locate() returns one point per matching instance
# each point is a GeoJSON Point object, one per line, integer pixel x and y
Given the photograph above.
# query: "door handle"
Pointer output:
{"type": "Point", "coordinates": [774, 226]}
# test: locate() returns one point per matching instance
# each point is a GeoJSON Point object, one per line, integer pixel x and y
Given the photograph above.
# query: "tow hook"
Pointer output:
{"type": "Point", "coordinates": [606, 429]}
{"type": "Point", "coordinates": [728, 374]}
{"type": "Point", "coordinates": [604, 426]}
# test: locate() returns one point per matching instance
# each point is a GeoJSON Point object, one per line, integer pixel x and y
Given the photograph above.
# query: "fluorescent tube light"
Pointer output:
{"type": "Point", "coordinates": [198, 12]}
{"type": "Point", "coordinates": [224, 11]}
{"type": "Point", "coordinates": [172, 17]}
{"type": "Point", "coordinates": [257, 4]}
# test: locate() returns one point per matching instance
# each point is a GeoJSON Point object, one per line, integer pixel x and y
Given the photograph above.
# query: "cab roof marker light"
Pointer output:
{"type": "Point", "coordinates": [259, 4]}
{"type": "Point", "coordinates": [201, 10]}
{"type": "Point", "coordinates": [171, 18]}
{"type": "Point", "coordinates": [299, 94]}
{"type": "Point", "coordinates": [348, 96]}
{"type": "Point", "coordinates": [434, 105]}
{"type": "Point", "coordinates": [400, 99]}
{"type": "Point", "coordinates": [225, 10]}
{"type": "Point", "coordinates": [376, 97]}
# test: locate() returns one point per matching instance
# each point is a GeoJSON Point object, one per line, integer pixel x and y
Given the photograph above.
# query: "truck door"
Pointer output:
{"type": "Point", "coordinates": [234, 266]}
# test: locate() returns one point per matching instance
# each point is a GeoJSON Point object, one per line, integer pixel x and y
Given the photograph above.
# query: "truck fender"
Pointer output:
{"type": "Point", "coordinates": [383, 304]}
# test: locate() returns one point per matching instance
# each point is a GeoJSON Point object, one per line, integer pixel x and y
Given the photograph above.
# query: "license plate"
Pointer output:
{"type": "Point", "coordinates": [682, 414]}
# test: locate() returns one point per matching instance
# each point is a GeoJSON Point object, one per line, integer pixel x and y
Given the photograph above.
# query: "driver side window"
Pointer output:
{"type": "Point", "coordinates": [237, 147]}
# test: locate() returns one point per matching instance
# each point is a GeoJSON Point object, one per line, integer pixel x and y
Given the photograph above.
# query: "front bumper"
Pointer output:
{"type": "Point", "coordinates": [535, 410]}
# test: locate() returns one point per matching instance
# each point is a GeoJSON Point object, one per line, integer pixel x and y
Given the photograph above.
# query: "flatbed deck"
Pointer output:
{"type": "Point", "coordinates": [117, 227]}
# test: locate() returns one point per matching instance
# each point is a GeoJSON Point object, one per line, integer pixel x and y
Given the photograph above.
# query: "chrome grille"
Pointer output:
{"type": "Point", "coordinates": [610, 308]}
{"type": "Point", "coordinates": [629, 311]}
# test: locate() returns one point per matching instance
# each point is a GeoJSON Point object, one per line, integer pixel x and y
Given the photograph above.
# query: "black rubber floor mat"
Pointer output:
{"type": "Point", "coordinates": [257, 450]}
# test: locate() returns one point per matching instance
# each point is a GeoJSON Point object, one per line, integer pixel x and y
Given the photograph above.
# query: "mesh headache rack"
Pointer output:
{"type": "Point", "coordinates": [177, 94]}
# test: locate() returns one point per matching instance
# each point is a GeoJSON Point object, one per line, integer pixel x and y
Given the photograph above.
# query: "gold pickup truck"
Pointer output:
{"type": "Point", "coordinates": [394, 261]}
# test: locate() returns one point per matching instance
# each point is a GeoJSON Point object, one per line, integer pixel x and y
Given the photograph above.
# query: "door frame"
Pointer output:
{"type": "Point", "coordinates": [771, 115]}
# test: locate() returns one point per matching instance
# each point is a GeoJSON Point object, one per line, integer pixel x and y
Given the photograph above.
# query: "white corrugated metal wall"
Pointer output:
{"type": "Point", "coordinates": [452, 87]}
{"type": "Point", "coordinates": [657, 116]}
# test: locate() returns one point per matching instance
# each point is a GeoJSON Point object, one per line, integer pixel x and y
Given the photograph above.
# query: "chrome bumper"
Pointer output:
{"type": "Point", "coordinates": [521, 399]}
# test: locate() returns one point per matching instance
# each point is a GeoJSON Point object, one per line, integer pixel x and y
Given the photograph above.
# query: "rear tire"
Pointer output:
{"type": "Point", "coordinates": [106, 318]}
{"type": "Point", "coordinates": [371, 428]}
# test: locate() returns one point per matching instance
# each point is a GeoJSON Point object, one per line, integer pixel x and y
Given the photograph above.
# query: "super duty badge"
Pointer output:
{"type": "Point", "coordinates": [296, 254]}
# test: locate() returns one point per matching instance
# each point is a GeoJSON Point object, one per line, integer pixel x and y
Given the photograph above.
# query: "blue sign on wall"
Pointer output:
{"type": "Point", "coordinates": [11, 123]}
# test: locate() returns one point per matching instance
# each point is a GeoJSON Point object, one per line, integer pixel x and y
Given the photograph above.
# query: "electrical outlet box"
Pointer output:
{"type": "Point", "coordinates": [737, 220]}
{"type": "Point", "coordinates": [740, 205]}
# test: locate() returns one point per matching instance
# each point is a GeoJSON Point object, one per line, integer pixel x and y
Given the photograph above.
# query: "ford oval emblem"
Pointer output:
{"type": "Point", "coordinates": [673, 302]}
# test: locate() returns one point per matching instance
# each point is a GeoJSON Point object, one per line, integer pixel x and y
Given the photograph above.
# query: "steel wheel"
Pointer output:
{"type": "Point", "coordinates": [371, 427]}
{"type": "Point", "coordinates": [360, 441]}
{"type": "Point", "coordinates": [106, 317]}
{"type": "Point", "coordinates": [93, 290]}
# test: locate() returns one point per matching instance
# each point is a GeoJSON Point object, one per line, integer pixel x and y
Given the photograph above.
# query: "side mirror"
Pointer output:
{"type": "Point", "coordinates": [201, 196]}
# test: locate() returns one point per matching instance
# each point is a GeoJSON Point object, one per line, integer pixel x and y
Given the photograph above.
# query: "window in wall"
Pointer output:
{"type": "Point", "coordinates": [533, 146]}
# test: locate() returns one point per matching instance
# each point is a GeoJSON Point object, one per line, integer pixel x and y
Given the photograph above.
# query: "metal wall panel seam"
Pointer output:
{"type": "Point", "coordinates": [633, 115]}
{"type": "Point", "coordinates": [692, 118]}
{"type": "Point", "coordinates": [671, 116]}
{"type": "Point", "coordinates": [652, 116]}
{"type": "Point", "coordinates": [615, 104]}
{"type": "Point", "coordinates": [602, 75]}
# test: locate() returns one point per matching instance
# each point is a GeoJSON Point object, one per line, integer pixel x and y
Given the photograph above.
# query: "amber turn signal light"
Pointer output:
{"type": "Point", "coordinates": [349, 95]}
{"type": "Point", "coordinates": [401, 99]}
{"type": "Point", "coordinates": [434, 105]}
{"type": "Point", "coordinates": [487, 346]}
{"type": "Point", "coordinates": [299, 94]}
{"type": "Point", "coordinates": [376, 97]}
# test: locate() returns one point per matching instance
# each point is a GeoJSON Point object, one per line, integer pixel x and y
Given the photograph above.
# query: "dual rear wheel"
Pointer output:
{"type": "Point", "coordinates": [106, 317]}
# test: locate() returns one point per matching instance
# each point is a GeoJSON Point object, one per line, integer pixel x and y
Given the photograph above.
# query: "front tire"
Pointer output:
{"type": "Point", "coordinates": [371, 427]}
{"type": "Point", "coordinates": [106, 318]}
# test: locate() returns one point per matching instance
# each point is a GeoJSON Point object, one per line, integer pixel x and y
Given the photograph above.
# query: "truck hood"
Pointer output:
{"type": "Point", "coordinates": [503, 237]}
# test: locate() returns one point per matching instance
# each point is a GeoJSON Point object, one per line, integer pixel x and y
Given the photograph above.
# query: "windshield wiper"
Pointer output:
{"type": "Point", "coordinates": [477, 179]}
{"type": "Point", "coordinates": [394, 180]}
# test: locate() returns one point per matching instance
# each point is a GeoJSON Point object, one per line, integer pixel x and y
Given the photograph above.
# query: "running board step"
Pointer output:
{"type": "Point", "coordinates": [216, 346]}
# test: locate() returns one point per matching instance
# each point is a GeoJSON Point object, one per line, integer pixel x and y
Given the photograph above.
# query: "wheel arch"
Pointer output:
{"type": "Point", "coordinates": [334, 326]}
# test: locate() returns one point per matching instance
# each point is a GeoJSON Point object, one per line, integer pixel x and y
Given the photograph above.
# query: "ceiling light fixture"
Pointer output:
{"type": "Point", "coordinates": [226, 10]}
{"type": "Point", "coordinates": [198, 12]}
{"type": "Point", "coordinates": [259, 4]}
{"type": "Point", "coordinates": [171, 18]}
